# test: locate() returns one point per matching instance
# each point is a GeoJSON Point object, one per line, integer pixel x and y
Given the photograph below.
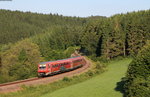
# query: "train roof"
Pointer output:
{"type": "Point", "coordinates": [59, 60]}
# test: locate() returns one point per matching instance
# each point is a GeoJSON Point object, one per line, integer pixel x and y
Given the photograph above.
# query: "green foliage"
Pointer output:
{"type": "Point", "coordinates": [58, 44]}
{"type": "Point", "coordinates": [100, 65]}
{"type": "Point", "coordinates": [66, 79]}
{"type": "Point", "coordinates": [89, 42]}
{"type": "Point", "coordinates": [20, 61]}
{"type": "Point", "coordinates": [15, 25]}
{"type": "Point", "coordinates": [22, 56]}
{"type": "Point", "coordinates": [138, 75]}
{"type": "Point", "coordinates": [70, 50]}
{"type": "Point", "coordinates": [119, 35]}
{"type": "Point", "coordinates": [89, 73]}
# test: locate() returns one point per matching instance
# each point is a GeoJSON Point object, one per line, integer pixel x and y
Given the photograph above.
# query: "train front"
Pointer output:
{"type": "Point", "coordinates": [42, 70]}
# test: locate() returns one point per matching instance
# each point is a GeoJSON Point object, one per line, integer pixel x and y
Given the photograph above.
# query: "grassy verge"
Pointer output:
{"type": "Point", "coordinates": [107, 84]}
{"type": "Point", "coordinates": [38, 91]}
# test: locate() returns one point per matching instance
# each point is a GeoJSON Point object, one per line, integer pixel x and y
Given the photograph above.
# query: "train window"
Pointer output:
{"type": "Point", "coordinates": [54, 66]}
{"type": "Point", "coordinates": [77, 60]}
{"type": "Point", "coordinates": [42, 67]}
{"type": "Point", "coordinates": [48, 65]}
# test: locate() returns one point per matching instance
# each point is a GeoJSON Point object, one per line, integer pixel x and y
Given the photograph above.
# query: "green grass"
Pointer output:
{"type": "Point", "coordinates": [103, 85]}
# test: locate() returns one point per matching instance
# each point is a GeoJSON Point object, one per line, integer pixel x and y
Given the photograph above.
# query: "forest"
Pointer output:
{"type": "Point", "coordinates": [29, 38]}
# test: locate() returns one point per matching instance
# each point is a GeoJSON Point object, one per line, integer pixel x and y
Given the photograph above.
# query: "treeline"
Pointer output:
{"type": "Point", "coordinates": [16, 25]}
{"type": "Point", "coordinates": [119, 35]}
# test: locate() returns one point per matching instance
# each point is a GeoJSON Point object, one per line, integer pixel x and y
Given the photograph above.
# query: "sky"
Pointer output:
{"type": "Point", "coordinates": [81, 8]}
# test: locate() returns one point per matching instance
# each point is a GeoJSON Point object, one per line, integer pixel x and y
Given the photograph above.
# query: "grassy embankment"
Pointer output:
{"type": "Point", "coordinates": [103, 85]}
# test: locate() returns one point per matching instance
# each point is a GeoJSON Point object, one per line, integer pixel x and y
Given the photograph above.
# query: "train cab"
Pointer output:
{"type": "Point", "coordinates": [43, 70]}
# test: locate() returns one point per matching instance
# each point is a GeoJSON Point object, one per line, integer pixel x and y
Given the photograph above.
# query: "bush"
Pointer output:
{"type": "Point", "coordinates": [66, 79]}
{"type": "Point", "coordinates": [102, 59]}
{"type": "Point", "coordinates": [90, 73]}
{"type": "Point", "coordinates": [100, 65]}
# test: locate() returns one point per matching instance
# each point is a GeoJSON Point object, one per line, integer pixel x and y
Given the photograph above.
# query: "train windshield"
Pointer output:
{"type": "Point", "coordinates": [42, 66]}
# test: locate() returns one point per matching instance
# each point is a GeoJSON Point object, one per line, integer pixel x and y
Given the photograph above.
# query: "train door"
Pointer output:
{"type": "Point", "coordinates": [49, 67]}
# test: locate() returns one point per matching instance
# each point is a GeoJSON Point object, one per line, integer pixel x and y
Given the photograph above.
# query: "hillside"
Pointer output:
{"type": "Point", "coordinates": [16, 25]}
{"type": "Point", "coordinates": [107, 84]}
{"type": "Point", "coordinates": [29, 38]}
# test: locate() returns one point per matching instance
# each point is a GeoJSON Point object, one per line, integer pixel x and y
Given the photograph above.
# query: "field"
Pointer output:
{"type": "Point", "coordinates": [103, 85]}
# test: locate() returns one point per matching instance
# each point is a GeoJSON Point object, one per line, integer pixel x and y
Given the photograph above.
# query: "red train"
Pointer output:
{"type": "Point", "coordinates": [53, 67]}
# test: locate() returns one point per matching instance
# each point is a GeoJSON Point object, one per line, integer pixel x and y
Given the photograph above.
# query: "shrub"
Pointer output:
{"type": "Point", "coordinates": [66, 79]}
{"type": "Point", "coordinates": [100, 65]}
{"type": "Point", "coordinates": [90, 73]}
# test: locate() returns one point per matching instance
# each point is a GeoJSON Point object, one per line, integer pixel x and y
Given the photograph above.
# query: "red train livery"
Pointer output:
{"type": "Point", "coordinates": [53, 67]}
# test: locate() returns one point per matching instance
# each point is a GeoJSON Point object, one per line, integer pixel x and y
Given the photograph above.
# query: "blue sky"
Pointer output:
{"type": "Point", "coordinates": [82, 8]}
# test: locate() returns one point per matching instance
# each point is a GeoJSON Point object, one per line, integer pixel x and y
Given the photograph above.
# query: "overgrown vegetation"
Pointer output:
{"type": "Point", "coordinates": [138, 75]}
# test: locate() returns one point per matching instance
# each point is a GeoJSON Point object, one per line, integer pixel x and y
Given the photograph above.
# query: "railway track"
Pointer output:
{"type": "Point", "coordinates": [17, 85]}
{"type": "Point", "coordinates": [19, 81]}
